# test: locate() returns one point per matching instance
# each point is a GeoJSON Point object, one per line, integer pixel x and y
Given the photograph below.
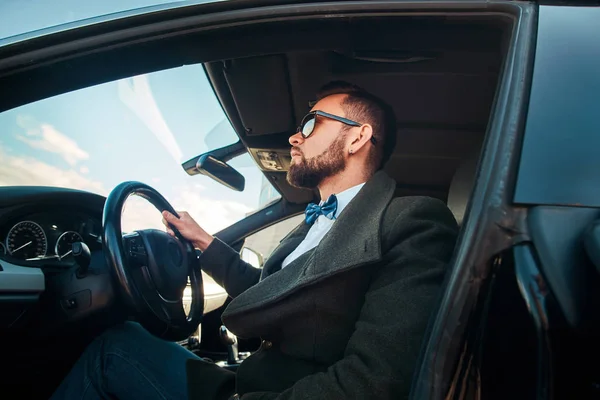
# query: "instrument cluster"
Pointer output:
{"type": "Point", "coordinates": [48, 236]}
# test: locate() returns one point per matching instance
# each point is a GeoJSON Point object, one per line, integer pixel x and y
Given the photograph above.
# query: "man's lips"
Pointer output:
{"type": "Point", "coordinates": [295, 153]}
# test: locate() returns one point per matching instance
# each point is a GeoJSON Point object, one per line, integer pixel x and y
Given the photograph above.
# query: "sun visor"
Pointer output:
{"type": "Point", "coordinates": [260, 89]}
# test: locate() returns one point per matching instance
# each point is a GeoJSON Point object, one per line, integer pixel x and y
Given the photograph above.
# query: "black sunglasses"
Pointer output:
{"type": "Point", "coordinates": [307, 126]}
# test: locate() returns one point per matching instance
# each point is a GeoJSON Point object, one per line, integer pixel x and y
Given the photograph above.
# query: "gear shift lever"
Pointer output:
{"type": "Point", "coordinates": [229, 340]}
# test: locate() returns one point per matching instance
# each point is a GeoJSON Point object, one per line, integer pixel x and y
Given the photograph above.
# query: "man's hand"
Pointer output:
{"type": "Point", "coordinates": [188, 228]}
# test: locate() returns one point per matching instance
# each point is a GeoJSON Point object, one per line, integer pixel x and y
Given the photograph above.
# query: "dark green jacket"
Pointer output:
{"type": "Point", "coordinates": [345, 320]}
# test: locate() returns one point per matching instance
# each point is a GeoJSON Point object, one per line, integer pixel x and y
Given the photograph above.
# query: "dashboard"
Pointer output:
{"type": "Point", "coordinates": [38, 226]}
{"type": "Point", "coordinates": [46, 236]}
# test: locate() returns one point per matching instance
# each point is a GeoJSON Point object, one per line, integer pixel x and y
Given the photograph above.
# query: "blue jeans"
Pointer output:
{"type": "Point", "coordinates": [127, 362]}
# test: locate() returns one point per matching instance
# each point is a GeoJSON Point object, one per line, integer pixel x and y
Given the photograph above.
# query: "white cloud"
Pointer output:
{"type": "Point", "coordinates": [46, 137]}
{"type": "Point", "coordinates": [212, 215]}
{"type": "Point", "coordinates": [21, 171]}
{"type": "Point", "coordinates": [84, 170]}
{"type": "Point", "coordinates": [136, 94]}
{"type": "Point", "coordinates": [26, 171]}
{"type": "Point", "coordinates": [28, 123]}
{"type": "Point", "coordinates": [140, 214]}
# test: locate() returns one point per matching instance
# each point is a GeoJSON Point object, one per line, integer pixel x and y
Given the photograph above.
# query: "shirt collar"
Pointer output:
{"type": "Point", "coordinates": [345, 197]}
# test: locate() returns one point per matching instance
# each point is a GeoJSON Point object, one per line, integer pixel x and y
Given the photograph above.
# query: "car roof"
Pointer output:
{"type": "Point", "coordinates": [24, 21]}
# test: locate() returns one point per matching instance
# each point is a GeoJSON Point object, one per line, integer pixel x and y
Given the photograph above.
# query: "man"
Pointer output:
{"type": "Point", "coordinates": [341, 305]}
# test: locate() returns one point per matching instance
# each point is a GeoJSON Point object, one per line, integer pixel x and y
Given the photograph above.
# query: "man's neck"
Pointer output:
{"type": "Point", "coordinates": [340, 182]}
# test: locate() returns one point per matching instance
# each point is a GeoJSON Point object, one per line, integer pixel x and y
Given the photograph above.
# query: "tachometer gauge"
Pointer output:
{"type": "Point", "coordinates": [26, 240]}
{"type": "Point", "coordinates": [64, 244]}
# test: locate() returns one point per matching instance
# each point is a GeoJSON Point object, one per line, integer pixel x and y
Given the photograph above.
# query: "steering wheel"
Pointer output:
{"type": "Point", "coordinates": [152, 268]}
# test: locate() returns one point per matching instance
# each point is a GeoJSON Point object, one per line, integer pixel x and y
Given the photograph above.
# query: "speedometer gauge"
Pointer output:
{"type": "Point", "coordinates": [65, 242]}
{"type": "Point", "coordinates": [26, 240]}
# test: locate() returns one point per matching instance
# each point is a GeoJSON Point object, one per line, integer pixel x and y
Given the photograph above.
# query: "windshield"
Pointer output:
{"type": "Point", "coordinates": [140, 128]}
{"type": "Point", "coordinates": [19, 17]}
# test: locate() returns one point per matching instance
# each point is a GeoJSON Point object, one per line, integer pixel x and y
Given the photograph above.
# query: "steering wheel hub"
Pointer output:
{"type": "Point", "coordinates": [167, 263]}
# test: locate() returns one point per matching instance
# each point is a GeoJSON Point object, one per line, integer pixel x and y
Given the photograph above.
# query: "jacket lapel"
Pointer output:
{"type": "Point", "coordinates": [353, 240]}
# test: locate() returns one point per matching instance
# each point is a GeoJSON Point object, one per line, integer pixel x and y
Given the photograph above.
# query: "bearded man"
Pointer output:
{"type": "Point", "coordinates": [341, 305]}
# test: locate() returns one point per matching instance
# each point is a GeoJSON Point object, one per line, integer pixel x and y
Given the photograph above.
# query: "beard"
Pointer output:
{"type": "Point", "coordinates": [309, 173]}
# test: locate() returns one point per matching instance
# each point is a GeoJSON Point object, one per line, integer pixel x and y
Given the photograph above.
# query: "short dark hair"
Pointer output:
{"type": "Point", "coordinates": [364, 107]}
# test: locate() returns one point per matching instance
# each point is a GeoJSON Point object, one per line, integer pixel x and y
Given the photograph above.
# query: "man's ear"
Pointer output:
{"type": "Point", "coordinates": [360, 138]}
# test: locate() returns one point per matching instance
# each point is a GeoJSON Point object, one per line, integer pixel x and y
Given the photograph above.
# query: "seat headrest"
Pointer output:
{"type": "Point", "coordinates": [461, 186]}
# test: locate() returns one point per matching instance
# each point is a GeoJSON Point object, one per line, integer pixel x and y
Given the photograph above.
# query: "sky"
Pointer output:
{"type": "Point", "coordinates": [140, 128]}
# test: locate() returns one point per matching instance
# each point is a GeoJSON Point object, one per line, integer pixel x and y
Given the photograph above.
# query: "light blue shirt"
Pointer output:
{"type": "Point", "coordinates": [321, 226]}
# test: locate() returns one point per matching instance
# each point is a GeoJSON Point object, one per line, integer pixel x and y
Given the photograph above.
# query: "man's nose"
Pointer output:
{"type": "Point", "coordinates": [296, 139]}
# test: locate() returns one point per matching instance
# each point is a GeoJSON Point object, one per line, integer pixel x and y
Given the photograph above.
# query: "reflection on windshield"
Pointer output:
{"type": "Point", "coordinates": [140, 128]}
{"type": "Point", "coordinates": [19, 17]}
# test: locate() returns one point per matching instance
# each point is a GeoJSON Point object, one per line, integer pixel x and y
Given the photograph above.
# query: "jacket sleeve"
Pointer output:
{"type": "Point", "coordinates": [226, 267]}
{"type": "Point", "coordinates": [382, 352]}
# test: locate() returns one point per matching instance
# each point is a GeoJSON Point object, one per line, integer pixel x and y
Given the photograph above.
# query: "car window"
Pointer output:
{"type": "Point", "coordinates": [259, 246]}
{"type": "Point", "coordinates": [140, 128]}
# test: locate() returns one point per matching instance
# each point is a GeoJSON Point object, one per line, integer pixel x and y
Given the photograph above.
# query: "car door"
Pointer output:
{"type": "Point", "coordinates": [531, 330]}
{"type": "Point", "coordinates": [557, 186]}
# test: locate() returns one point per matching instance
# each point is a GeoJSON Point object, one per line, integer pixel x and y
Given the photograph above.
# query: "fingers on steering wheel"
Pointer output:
{"type": "Point", "coordinates": [168, 225]}
{"type": "Point", "coordinates": [169, 218]}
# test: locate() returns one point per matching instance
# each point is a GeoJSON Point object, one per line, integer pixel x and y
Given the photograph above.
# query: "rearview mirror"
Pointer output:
{"type": "Point", "coordinates": [221, 172]}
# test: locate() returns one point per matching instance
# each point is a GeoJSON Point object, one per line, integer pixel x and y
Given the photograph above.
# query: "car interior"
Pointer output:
{"type": "Point", "coordinates": [439, 72]}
